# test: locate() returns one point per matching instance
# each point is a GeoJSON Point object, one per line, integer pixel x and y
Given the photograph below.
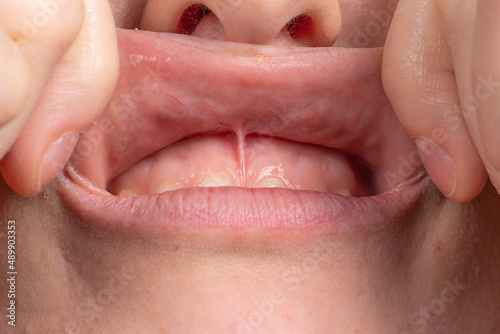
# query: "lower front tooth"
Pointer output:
{"type": "Point", "coordinates": [216, 180]}
{"type": "Point", "coordinates": [272, 182]}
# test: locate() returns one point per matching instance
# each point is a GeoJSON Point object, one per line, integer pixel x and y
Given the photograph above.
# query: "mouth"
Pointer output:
{"type": "Point", "coordinates": [227, 135]}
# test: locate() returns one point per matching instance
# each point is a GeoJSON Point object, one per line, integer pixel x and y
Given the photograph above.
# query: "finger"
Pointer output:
{"type": "Point", "coordinates": [457, 25]}
{"type": "Point", "coordinates": [419, 78]}
{"type": "Point", "coordinates": [74, 97]}
{"type": "Point", "coordinates": [41, 37]}
{"type": "Point", "coordinates": [484, 103]}
{"type": "Point", "coordinates": [471, 31]}
{"type": "Point", "coordinates": [15, 76]}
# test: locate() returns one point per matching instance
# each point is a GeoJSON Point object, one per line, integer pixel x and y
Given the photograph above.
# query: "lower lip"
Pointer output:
{"type": "Point", "coordinates": [237, 209]}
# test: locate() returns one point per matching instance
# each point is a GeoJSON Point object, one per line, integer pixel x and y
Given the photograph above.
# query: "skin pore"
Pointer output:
{"type": "Point", "coordinates": [434, 270]}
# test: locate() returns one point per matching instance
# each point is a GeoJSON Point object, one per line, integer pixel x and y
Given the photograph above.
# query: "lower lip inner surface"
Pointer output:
{"type": "Point", "coordinates": [226, 160]}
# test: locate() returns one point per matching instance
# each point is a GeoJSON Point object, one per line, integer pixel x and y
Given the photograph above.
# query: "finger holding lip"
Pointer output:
{"type": "Point", "coordinates": [419, 78]}
{"type": "Point", "coordinates": [486, 82]}
{"type": "Point", "coordinates": [75, 95]}
{"type": "Point", "coordinates": [39, 38]}
{"type": "Point", "coordinates": [472, 32]}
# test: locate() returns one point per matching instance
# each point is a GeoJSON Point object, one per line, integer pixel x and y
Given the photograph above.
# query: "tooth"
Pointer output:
{"type": "Point", "coordinates": [345, 192]}
{"type": "Point", "coordinates": [129, 193]}
{"type": "Point", "coordinates": [272, 182]}
{"type": "Point", "coordinates": [166, 187]}
{"type": "Point", "coordinates": [215, 180]}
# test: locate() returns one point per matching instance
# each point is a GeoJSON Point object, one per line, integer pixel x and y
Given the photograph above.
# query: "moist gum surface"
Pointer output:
{"type": "Point", "coordinates": [224, 160]}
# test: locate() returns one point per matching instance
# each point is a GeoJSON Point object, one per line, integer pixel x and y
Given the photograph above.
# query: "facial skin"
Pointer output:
{"type": "Point", "coordinates": [433, 270]}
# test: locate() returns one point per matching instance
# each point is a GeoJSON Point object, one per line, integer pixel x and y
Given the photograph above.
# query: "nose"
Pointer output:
{"type": "Point", "coordinates": [312, 23]}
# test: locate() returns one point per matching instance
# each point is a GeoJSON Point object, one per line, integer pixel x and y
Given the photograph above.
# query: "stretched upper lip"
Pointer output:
{"type": "Point", "coordinates": [174, 86]}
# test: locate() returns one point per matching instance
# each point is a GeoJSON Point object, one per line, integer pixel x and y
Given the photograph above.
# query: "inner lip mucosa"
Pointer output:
{"type": "Point", "coordinates": [191, 113]}
{"type": "Point", "coordinates": [254, 161]}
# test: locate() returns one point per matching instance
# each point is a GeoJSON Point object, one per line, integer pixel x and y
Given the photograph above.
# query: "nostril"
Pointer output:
{"type": "Point", "coordinates": [284, 22]}
{"type": "Point", "coordinates": [191, 18]}
{"type": "Point", "coordinates": [300, 27]}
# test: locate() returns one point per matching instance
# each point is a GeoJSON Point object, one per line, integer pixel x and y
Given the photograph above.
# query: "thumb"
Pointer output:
{"type": "Point", "coordinates": [419, 78]}
{"type": "Point", "coordinates": [75, 95]}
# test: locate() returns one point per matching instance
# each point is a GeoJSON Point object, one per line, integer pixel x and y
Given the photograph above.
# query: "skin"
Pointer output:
{"type": "Point", "coordinates": [433, 272]}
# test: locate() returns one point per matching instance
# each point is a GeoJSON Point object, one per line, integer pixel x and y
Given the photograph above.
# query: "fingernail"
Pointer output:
{"type": "Point", "coordinates": [55, 158]}
{"type": "Point", "coordinates": [438, 165]}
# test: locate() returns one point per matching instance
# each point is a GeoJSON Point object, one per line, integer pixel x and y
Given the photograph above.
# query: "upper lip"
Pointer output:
{"type": "Point", "coordinates": [174, 86]}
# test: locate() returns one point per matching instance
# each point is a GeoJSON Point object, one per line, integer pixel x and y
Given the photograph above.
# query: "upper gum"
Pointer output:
{"type": "Point", "coordinates": [225, 162]}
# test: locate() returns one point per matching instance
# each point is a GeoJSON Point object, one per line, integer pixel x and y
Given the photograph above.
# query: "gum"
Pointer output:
{"type": "Point", "coordinates": [252, 162]}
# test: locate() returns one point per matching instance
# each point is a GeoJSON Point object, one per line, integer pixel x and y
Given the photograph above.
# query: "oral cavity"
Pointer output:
{"type": "Point", "coordinates": [252, 162]}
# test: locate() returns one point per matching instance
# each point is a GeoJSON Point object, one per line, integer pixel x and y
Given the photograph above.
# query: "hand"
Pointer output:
{"type": "Point", "coordinates": [441, 72]}
{"type": "Point", "coordinates": [59, 65]}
